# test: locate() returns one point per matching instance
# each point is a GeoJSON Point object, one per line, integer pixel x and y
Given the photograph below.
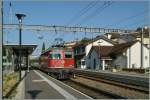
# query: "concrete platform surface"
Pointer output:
{"type": "Point", "coordinates": [39, 85]}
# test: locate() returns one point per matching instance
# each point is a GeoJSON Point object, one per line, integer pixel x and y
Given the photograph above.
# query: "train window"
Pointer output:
{"type": "Point", "coordinates": [51, 56]}
{"type": "Point", "coordinates": [68, 54]}
{"type": "Point", "coordinates": [55, 56]}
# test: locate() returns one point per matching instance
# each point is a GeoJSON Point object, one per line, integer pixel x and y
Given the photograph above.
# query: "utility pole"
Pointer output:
{"type": "Point", "coordinates": [142, 48]}
{"type": "Point", "coordinates": [1, 45]}
{"type": "Point", "coordinates": [149, 44]}
{"type": "Point", "coordinates": [99, 55]}
{"type": "Point", "coordinates": [149, 38]}
{"type": "Point", "coordinates": [149, 34]}
{"type": "Point", "coordinates": [99, 42]}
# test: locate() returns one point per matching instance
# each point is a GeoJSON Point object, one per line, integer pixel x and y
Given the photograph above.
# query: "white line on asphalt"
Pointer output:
{"type": "Point", "coordinates": [38, 80]}
{"type": "Point", "coordinates": [56, 87]}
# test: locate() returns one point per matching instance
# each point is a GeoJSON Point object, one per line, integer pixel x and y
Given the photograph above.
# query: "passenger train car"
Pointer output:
{"type": "Point", "coordinates": [58, 62]}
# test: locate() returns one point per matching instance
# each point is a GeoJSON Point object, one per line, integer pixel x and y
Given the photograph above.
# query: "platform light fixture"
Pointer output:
{"type": "Point", "coordinates": [20, 18]}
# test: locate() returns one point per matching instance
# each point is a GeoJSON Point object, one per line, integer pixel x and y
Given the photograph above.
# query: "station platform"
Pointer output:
{"type": "Point", "coordinates": [39, 85]}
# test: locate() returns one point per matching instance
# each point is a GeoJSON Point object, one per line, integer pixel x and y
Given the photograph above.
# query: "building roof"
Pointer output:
{"type": "Point", "coordinates": [108, 51]}
{"type": "Point", "coordinates": [101, 37]}
{"type": "Point", "coordinates": [103, 51]}
{"type": "Point", "coordinates": [138, 34]}
{"type": "Point", "coordinates": [95, 39]}
{"type": "Point", "coordinates": [70, 43]}
{"type": "Point", "coordinates": [120, 48]}
{"type": "Point", "coordinates": [114, 35]}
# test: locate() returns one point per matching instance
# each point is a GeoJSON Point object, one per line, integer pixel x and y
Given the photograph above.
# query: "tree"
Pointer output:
{"type": "Point", "coordinates": [43, 47]}
{"type": "Point", "coordinates": [139, 29]}
{"type": "Point", "coordinates": [145, 31]}
{"type": "Point", "coordinates": [85, 40]}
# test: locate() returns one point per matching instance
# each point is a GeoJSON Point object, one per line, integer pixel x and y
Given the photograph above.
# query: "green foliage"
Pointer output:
{"type": "Point", "coordinates": [43, 47]}
{"type": "Point", "coordinates": [9, 81]}
{"type": "Point", "coordinates": [139, 29]}
{"type": "Point", "coordinates": [85, 40]}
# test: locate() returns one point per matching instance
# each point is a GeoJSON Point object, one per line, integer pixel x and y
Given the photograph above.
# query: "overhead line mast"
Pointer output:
{"type": "Point", "coordinates": [10, 13]}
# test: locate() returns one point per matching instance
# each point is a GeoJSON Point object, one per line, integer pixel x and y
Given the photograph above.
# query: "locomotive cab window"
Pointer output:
{"type": "Point", "coordinates": [55, 56]}
{"type": "Point", "coordinates": [68, 54]}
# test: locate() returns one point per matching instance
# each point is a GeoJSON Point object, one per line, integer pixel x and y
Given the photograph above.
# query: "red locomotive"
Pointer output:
{"type": "Point", "coordinates": [58, 62]}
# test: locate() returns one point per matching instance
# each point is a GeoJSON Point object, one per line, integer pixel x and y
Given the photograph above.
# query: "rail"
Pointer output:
{"type": "Point", "coordinates": [130, 80]}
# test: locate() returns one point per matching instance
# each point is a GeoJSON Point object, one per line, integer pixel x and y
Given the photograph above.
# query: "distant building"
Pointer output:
{"type": "Point", "coordinates": [125, 51]}
{"type": "Point", "coordinates": [120, 37]}
{"type": "Point", "coordinates": [128, 55]}
{"type": "Point", "coordinates": [70, 44]}
{"type": "Point", "coordinates": [137, 36]}
{"type": "Point", "coordinates": [82, 50]}
{"type": "Point", "coordinates": [125, 55]}
{"type": "Point", "coordinates": [99, 57]}
{"type": "Point", "coordinates": [128, 37]}
{"type": "Point", "coordinates": [79, 55]}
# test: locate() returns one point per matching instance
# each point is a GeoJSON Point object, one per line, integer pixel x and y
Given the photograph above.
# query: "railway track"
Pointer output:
{"type": "Point", "coordinates": [100, 90]}
{"type": "Point", "coordinates": [136, 88]}
{"type": "Point", "coordinates": [106, 89]}
{"type": "Point", "coordinates": [141, 82]}
{"type": "Point", "coordinates": [92, 92]}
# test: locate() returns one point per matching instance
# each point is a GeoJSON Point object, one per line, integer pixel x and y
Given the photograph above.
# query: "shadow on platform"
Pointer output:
{"type": "Point", "coordinates": [34, 93]}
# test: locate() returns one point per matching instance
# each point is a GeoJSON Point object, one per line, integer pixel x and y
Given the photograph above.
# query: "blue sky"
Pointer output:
{"type": "Point", "coordinates": [123, 14]}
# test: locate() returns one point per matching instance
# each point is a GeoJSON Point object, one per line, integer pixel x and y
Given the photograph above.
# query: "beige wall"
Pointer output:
{"type": "Point", "coordinates": [145, 40]}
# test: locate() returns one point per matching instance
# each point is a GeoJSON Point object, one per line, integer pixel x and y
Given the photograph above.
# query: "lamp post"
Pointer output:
{"type": "Point", "coordinates": [142, 33]}
{"type": "Point", "coordinates": [149, 45]}
{"type": "Point", "coordinates": [99, 42]}
{"type": "Point", "coordinates": [142, 48]}
{"type": "Point", "coordinates": [20, 17]}
{"type": "Point", "coordinates": [147, 28]}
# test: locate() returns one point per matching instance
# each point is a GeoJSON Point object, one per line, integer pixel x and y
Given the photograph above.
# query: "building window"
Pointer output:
{"type": "Point", "coordinates": [83, 49]}
{"type": "Point", "coordinates": [82, 62]}
{"type": "Point", "coordinates": [145, 57]}
{"type": "Point", "coordinates": [76, 51]}
{"type": "Point", "coordinates": [4, 60]}
{"type": "Point", "coordinates": [79, 63]}
{"type": "Point", "coordinates": [89, 55]}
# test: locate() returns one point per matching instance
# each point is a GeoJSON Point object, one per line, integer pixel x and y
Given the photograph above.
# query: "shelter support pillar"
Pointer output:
{"type": "Point", "coordinates": [28, 64]}
{"type": "Point", "coordinates": [27, 60]}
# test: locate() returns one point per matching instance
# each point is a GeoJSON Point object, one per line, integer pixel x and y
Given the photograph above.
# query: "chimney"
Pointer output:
{"type": "Point", "coordinates": [109, 36]}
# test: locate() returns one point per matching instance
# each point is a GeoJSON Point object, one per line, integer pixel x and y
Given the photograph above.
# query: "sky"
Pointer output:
{"type": "Point", "coordinates": [116, 14]}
